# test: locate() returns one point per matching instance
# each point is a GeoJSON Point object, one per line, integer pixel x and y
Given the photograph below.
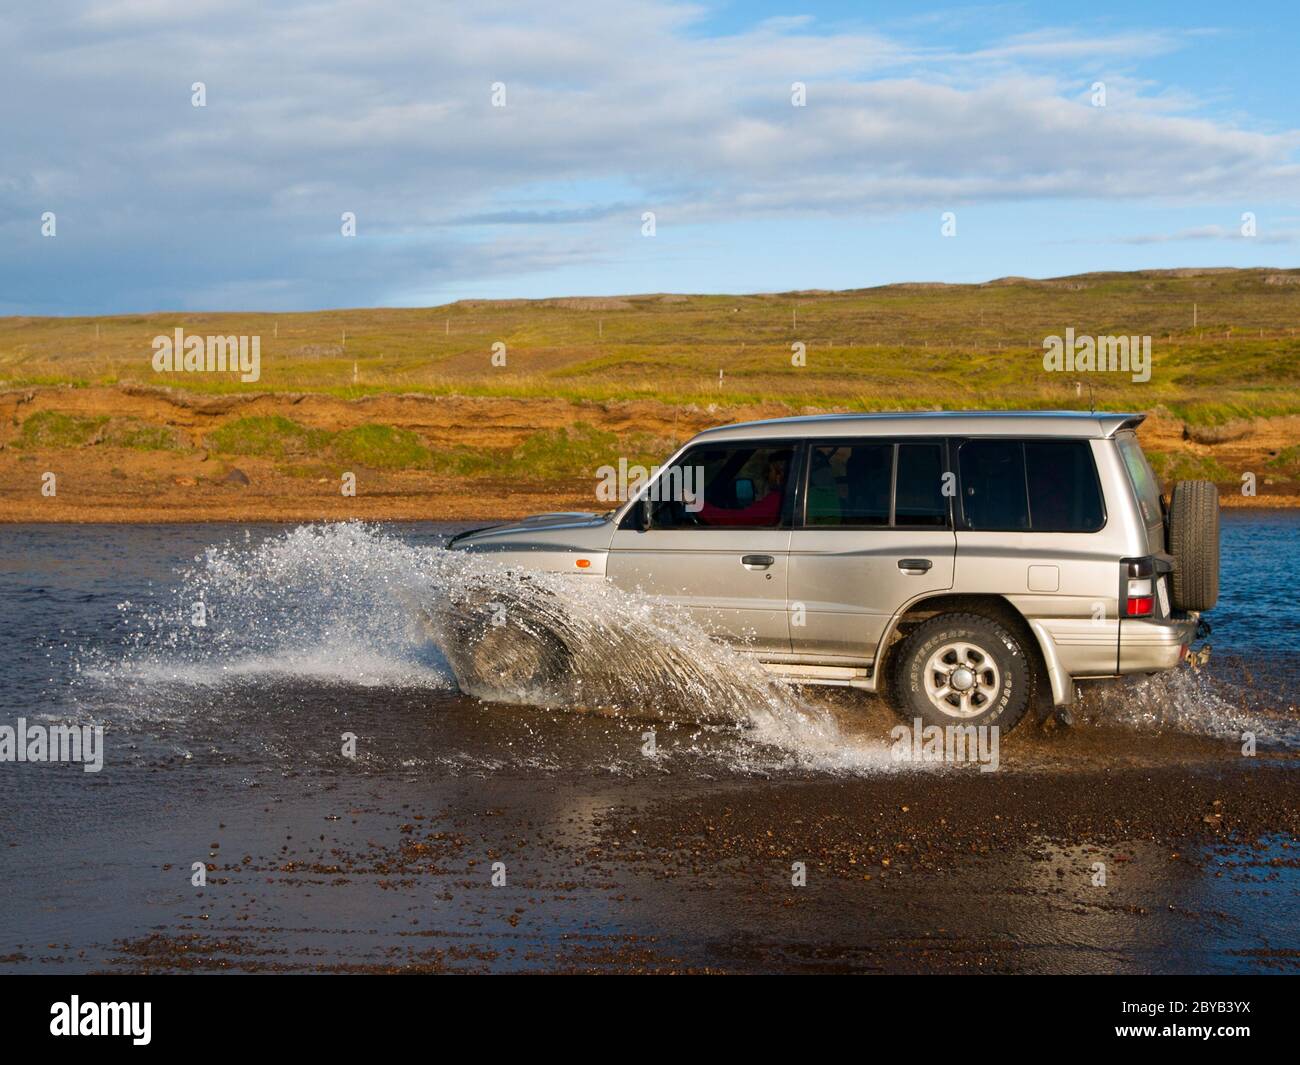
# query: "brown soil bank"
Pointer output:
{"type": "Point", "coordinates": [138, 453]}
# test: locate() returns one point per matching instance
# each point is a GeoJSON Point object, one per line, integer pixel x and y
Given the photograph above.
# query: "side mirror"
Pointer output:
{"type": "Point", "coordinates": [644, 518]}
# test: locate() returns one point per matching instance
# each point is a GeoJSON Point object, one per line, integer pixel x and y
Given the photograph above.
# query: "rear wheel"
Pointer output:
{"type": "Point", "coordinates": [962, 669]}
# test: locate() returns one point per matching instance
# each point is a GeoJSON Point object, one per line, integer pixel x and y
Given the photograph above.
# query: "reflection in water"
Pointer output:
{"type": "Point", "coordinates": [1099, 900]}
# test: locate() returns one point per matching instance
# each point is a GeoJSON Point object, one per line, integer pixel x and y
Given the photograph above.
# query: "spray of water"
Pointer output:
{"type": "Point", "coordinates": [348, 603]}
{"type": "Point", "coordinates": [353, 605]}
{"type": "Point", "coordinates": [1187, 701]}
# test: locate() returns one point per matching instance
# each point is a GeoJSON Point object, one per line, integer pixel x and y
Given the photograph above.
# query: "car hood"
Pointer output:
{"type": "Point", "coordinates": [525, 528]}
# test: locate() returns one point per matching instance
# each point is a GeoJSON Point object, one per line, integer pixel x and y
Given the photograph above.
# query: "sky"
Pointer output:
{"type": "Point", "coordinates": [502, 150]}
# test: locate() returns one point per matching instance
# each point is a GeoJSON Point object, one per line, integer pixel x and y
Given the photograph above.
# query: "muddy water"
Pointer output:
{"type": "Point", "coordinates": [224, 747]}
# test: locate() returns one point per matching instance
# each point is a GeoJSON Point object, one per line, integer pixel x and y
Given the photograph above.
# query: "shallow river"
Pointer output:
{"type": "Point", "coordinates": [455, 833]}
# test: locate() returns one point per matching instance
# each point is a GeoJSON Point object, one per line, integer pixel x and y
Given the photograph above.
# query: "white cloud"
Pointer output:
{"type": "Point", "coordinates": [1212, 233]}
{"type": "Point", "coordinates": [382, 108]}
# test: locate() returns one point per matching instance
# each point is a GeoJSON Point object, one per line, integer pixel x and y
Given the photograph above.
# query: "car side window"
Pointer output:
{"type": "Point", "coordinates": [919, 498]}
{"type": "Point", "coordinates": [994, 496]}
{"type": "Point", "coordinates": [876, 483]}
{"type": "Point", "coordinates": [742, 486]}
{"type": "Point", "coordinates": [1064, 495]}
{"type": "Point", "coordinates": [849, 484]}
{"type": "Point", "coordinates": [1030, 486]}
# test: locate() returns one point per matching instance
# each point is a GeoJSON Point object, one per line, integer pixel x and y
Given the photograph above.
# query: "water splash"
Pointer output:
{"type": "Point", "coordinates": [1192, 702]}
{"type": "Point", "coordinates": [315, 603]}
{"type": "Point", "coordinates": [351, 604]}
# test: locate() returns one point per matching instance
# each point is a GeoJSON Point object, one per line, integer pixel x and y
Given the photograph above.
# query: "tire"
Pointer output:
{"type": "Point", "coordinates": [1194, 544]}
{"type": "Point", "coordinates": [1002, 673]}
{"type": "Point", "coordinates": [497, 649]}
{"type": "Point", "coordinates": [517, 658]}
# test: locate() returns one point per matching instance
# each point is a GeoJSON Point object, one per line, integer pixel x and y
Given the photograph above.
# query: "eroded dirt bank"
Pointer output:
{"type": "Point", "coordinates": [99, 478]}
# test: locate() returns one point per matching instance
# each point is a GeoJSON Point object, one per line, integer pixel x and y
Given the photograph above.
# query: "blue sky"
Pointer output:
{"type": "Point", "coordinates": [614, 109]}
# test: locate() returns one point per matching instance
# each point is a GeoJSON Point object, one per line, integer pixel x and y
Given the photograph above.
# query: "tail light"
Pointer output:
{"type": "Point", "coordinates": [1138, 578]}
{"type": "Point", "coordinates": [1138, 606]}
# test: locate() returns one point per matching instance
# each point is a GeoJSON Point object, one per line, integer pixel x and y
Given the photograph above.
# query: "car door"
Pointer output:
{"type": "Point", "coordinates": [875, 533]}
{"type": "Point", "coordinates": [718, 541]}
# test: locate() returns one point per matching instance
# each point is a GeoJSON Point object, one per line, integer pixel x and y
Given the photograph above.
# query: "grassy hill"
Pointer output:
{"type": "Point", "coordinates": [899, 346]}
{"type": "Point", "coordinates": [411, 396]}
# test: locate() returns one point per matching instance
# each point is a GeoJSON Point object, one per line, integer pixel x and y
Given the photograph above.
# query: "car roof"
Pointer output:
{"type": "Point", "coordinates": [1026, 423]}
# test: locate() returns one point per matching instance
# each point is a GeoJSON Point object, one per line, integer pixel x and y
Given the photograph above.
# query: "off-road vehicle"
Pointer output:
{"type": "Point", "coordinates": [956, 562]}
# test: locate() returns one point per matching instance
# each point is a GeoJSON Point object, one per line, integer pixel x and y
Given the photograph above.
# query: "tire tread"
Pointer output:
{"type": "Point", "coordinates": [1194, 544]}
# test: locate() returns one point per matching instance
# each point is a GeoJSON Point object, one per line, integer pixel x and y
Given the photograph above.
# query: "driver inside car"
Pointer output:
{"type": "Point", "coordinates": [762, 512]}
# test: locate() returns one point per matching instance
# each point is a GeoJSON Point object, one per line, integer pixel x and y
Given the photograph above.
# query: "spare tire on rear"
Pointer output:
{"type": "Point", "coordinates": [1194, 543]}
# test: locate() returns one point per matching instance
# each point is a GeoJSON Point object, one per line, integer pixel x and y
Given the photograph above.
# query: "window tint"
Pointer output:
{"type": "Point", "coordinates": [919, 499]}
{"type": "Point", "coordinates": [849, 484]}
{"type": "Point", "coordinates": [853, 485]}
{"type": "Point", "coordinates": [741, 486]}
{"type": "Point", "coordinates": [1038, 485]}
{"type": "Point", "coordinates": [1063, 492]}
{"type": "Point", "coordinates": [993, 485]}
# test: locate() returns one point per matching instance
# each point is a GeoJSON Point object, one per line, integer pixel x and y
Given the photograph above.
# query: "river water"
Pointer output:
{"type": "Point", "coordinates": [239, 725]}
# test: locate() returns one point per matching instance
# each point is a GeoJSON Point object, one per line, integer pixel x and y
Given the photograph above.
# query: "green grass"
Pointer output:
{"type": "Point", "coordinates": [548, 455]}
{"type": "Point", "coordinates": [1215, 414]}
{"type": "Point", "coordinates": [577, 452]}
{"type": "Point", "coordinates": [271, 436]}
{"type": "Point", "coordinates": [381, 447]}
{"type": "Point", "coordinates": [1170, 467]}
{"type": "Point", "coordinates": [868, 349]}
{"type": "Point", "coordinates": [275, 437]}
{"type": "Point", "coordinates": [557, 454]}
{"type": "Point", "coordinates": [50, 429]}
{"type": "Point", "coordinates": [568, 454]}
{"type": "Point", "coordinates": [1287, 462]}
{"type": "Point", "coordinates": [142, 436]}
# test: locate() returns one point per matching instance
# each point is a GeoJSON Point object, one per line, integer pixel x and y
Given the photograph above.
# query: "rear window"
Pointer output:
{"type": "Point", "coordinates": [1030, 486]}
{"type": "Point", "coordinates": [1145, 485]}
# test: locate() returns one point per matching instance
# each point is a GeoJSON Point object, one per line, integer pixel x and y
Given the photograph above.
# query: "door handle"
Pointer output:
{"type": "Point", "coordinates": [756, 561]}
{"type": "Point", "coordinates": [914, 567]}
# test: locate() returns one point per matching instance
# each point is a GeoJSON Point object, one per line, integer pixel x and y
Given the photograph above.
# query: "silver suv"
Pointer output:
{"type": "Point", "coordinates": [957, 563]}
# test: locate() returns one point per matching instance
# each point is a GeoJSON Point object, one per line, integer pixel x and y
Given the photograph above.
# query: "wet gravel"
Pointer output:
{"type": "Point", "coordinates": [926, 870]}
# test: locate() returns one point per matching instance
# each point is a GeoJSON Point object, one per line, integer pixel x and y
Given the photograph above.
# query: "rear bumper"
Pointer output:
{"type": "Point", "coordinates": [1149, 646]}
{"type": "Point", "coordinates": [1081, 649]}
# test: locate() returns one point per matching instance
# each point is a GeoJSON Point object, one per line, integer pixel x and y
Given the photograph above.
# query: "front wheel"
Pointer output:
{"type": "Point", "coordinates": [962, 669]}
{"type": "Point", "coordinates": [516, 658]}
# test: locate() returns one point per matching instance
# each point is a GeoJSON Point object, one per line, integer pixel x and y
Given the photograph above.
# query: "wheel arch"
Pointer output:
{"type": "Point", "coordinates": [1045, 662]}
